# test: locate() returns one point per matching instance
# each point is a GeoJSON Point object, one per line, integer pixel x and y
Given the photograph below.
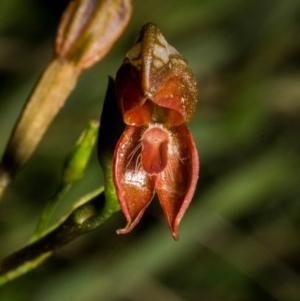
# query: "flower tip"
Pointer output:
{"type": "Point", "coordinates": [131, 223]}
{"type": "Point", "coordinates": [174, 228]}
{"type": "Point", "coordinates": [122, 231]}
{"type": "Point", "coordinates": [125, 230]}
{"type": "Point", "coordinates": [175, 235]}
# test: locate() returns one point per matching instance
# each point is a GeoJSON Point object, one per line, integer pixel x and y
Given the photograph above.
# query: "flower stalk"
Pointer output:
{"type": "Point", "coordinates": [86, 33]}
{"type": "Point", "coordinates": [48, 97]}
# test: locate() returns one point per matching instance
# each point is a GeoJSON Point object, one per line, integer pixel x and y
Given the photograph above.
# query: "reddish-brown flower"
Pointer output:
{"type": "Point", "coordinates": [157, 93]}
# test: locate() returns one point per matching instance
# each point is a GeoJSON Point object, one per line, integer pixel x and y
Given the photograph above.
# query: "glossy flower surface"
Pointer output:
{"type": "Point", "coordinates": [157, 94]}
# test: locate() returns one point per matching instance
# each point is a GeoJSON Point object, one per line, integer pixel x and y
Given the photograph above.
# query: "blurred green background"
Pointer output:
{"type": "Point", "coordinates": [240, 237]}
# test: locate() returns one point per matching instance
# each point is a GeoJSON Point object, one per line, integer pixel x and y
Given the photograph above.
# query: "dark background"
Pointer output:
{"type": "Point", "coordinates": [240, 236]}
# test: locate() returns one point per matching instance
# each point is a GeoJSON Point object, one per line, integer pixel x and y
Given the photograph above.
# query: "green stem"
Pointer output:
{"type": "Point", "coordinates": [74, 169]}
{"type": "Point", "coordinates": [88, 216]}
{"type": "Point", "coordinates": [49, 210]}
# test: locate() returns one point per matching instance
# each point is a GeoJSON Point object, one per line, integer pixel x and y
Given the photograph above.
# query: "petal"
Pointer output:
{"type": "Point", "coordinates": [177, 91]}
{"type": "Point", "coordinates": [136, 109]}
{"type": "Point", "coordinates": [166, 77]}
{"type": "Point", "coordinates": [134, 187]}
{"type": "Point", "coordinates": [155, 74]}
{"type": "Point", "coordinates": [176, 185]}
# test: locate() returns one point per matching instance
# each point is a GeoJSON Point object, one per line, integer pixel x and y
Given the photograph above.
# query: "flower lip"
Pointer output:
{"type": "Point", "coordinates": [154, 154]}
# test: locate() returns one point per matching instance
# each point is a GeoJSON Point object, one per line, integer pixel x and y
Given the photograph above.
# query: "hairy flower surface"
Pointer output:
{"type": "Point", "coordinates": [157, 94]}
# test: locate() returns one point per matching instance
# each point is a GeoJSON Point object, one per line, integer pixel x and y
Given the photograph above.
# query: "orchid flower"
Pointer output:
{"type": "Point", "coordinates": [157, 94]}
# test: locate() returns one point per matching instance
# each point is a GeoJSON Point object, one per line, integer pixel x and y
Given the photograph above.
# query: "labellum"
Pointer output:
{"type": "Point", "coordinates": [157, 94]}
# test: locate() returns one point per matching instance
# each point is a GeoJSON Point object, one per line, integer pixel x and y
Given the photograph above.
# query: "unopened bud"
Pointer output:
{"type": "Point", "coordinates": [89, 28]}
